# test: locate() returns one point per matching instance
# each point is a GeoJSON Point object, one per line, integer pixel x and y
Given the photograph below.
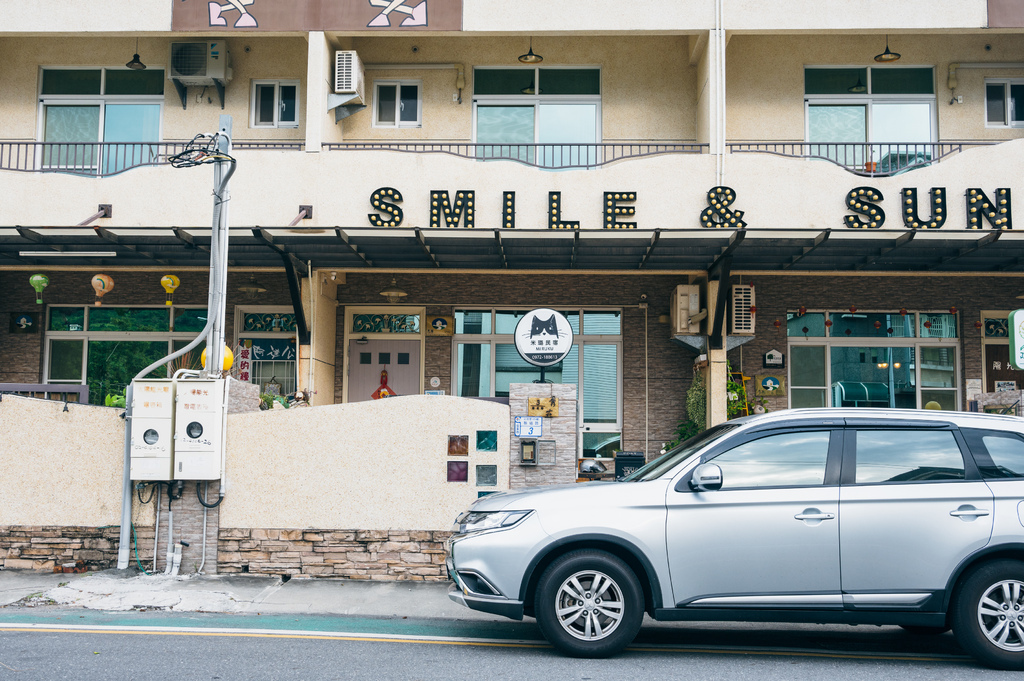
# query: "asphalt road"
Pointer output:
{"type": "Point", "coordinates": [61, 643]}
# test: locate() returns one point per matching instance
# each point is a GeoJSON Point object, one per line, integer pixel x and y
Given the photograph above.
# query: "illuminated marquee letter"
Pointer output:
{"type": "Point", "coordinates": [440, 205]}
{"type": "Point", "coordinates": [555, 211]}
{"type": "Point", "coordinates": [508, 210]}
{"type": "Point", "coordinates": [380, 200]}
{"type": "Point", "coordinates": [717, 214]}
{"type": "Point", "coordinates": [997, 213]}
{"type": "Point", "coordinates": [612, 210]}
{"type": "Point", "coordinates": [910, 216]}
{"type": "Point", "coordinates": [859, 200]}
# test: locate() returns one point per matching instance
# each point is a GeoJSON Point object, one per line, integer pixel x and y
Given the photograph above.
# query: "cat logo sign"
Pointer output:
{"type": "Point", "coordinates": [543, 337]}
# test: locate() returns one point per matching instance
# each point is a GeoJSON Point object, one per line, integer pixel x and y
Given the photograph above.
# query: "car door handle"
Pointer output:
{"type": "Point", "coordinates": [968, 511]}
{"type": "Point", "coordinates": [814, 514]}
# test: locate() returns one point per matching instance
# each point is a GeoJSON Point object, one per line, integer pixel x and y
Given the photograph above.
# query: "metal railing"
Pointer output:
{"type": "Point", "coordinates": [545, 156]}
{"type": "Point", "coordinates": [103, 159]}
{"type": "Point", "coordinates": [62, 392]}
{"type": "Point", "coordinates": [861, 158]}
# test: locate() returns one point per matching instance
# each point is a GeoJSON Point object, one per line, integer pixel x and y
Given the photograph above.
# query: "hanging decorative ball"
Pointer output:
{"type": "Point", "coordinates": [853, 309]}
{"type": "Point", "coordinates": [777, 323]}
{"type": "Point", "coordinates": [169, 282]}
{"type": "Point", "coordinates": [828, 323]}
{"type": "Point", "coordinates": [805, 330]}
{"type": "Point", "coordinates": [978, 324]}
{"type": "Point", "coordinates": [102, 284]}
{"type": "Point", "coordinates": [952, 309]}
{"type": "Point", "coordinates": [903, 312]}
{"type": "Point", "coordinates": [928, 325]}
{"type": "Point", "coordinates": [802, 311]}
{"type": "Point", "coordinates": [753, 310]}
{"type": "Point", "coordinates": [889, 331]}
{"type": "Point", "coordinates": [39, 282]}
{"type": "Point", "coordinates": [229, 358]}
{"type": "Point", "coordinates": [849, 331]}
{"type": "Point", "coordinates": [878, 324]}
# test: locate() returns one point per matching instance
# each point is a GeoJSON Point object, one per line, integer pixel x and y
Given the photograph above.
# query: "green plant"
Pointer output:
{"type": "Point", "coordinates": [739, 403]}
{"type": "Point", "coordinates": [115, 400]}
{"type": "Point", "coordinates": [696, 413]}
{"type": "Point", "coordinates": [266, 401]}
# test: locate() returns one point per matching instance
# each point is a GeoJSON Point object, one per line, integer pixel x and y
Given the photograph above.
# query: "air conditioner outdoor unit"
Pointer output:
{"type": "Point", "coordinates": [741, 315]}
{"type": "Point", "coordinates": [685, 306]}
{"type": "Point", "coordinates": [348, 75]}
{"type": "Point", "coordinates": [200, 63]}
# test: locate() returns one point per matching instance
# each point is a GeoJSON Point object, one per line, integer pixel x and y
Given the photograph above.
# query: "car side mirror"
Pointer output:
{"type": "Point", "coordinates": [706, 477]}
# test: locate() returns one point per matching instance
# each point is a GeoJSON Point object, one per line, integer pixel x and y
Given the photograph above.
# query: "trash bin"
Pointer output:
{"type": "Point", "coordinates": [627, 463]}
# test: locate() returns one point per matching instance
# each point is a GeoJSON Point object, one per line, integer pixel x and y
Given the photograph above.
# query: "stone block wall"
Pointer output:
{"type": "Point", "coordinates": [44, 547]}
{"type": "Point", "coordinates": [561, 429]}
{"type": "Point", "coordinates": [379, 555]}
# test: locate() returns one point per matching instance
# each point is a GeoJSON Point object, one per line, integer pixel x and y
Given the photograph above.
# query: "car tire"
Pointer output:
{"type": "Point", "coordinates": [923, 631]}
{"type": "Point", "coordinates": [988, 614]}
{"type": "Point", "coordinates": [583, 622]}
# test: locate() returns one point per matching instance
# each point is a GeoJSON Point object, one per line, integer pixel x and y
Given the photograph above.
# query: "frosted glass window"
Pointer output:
{"type": "Point", "coordinates": [600, 383]}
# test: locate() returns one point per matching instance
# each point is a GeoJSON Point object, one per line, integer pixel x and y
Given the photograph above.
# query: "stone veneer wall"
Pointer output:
{"type": "Point", "coordinates": [45, 547]}
{"type": "Point", "coordinates": [561, 429]}
{"type": "Point", "coordinates": [380, 555]}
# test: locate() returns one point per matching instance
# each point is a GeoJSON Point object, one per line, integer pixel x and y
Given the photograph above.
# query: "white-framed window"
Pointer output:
{"type": "Point", "coordinates": [266, 348]}
{"type": "Point", "coordinates": [275, 104]}
{"type": "Point", "coordinates": [1004, 102]}
{"type": "Point", "coordinates": [874, 118]}
{"type": "Point", "coordinates": [397, 104]}
{"type": "Point", "coordinates": [546, 116]}
{"type": "Point", "coordinates": [485, 362]}
{"type": "Point", "coordinates": [96, 118]}
{"type": "Point", "coordinates": [860, 358]}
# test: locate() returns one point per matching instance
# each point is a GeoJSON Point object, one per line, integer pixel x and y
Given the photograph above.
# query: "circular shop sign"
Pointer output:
{"type": "Point", "coordinates": [543, 337]}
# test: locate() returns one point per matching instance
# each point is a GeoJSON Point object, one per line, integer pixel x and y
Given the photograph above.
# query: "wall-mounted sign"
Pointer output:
{"type": "Point", "coordinates": [22, 322]}
{"type": "Point", "coordinates": [545, 407]}
{"type": "Point", "coordinates": [440, 326]}
{"type": "Point", "coordinates": [317, 15]}
{"type": "Point", "coordinates": [773, 359]}
{"type": "Point", "coordinates": [528, 426]}
{"type": "Point", "coordinates": [1016, 324]}
{"type": "Point", "coordinates": [543, 337]}
{"type": "Point", "coordinates": [770, 385]}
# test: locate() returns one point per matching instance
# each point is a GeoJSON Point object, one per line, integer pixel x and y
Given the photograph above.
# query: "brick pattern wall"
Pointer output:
{"type": "Point", "coordinates": [561, 429]}
{"type": "Point", "coordinates": [380, 555]}
{"type": "Point", "coordinates": [43, 547]}
{"type": "Point", "coordinates": [187, 527]}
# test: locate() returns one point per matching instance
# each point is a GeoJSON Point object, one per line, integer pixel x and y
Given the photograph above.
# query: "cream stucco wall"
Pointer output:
{"type": "Point", "coordinates": [319, 302]}
{"type": "Point", "coordinates": [60, 467]}
{"type": "Point", "coordinates": [268, 58]}
{"type": "Point", "coordinates": [85, 16]}
{"type": "Point", "coordinates": [647, 83]}
{"type": "Point", "coordinates": [792, 15]}
{"type": "Point", "coordinates": [370, 465]}
{"type": "Point", "coordinates": [765, 87]}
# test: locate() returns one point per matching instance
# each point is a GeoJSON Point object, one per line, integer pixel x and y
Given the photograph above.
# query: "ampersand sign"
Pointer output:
{"type": "Point", "coordinates": [717, 214]}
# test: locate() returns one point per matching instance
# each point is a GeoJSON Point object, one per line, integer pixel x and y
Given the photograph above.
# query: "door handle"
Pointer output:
{"type": "Point", "coordinates": [968, 511]}
{"type": "Point", "coordinates": [814, 514]}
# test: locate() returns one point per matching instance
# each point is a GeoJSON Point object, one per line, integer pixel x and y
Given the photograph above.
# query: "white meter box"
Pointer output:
{"type": "Point", "coordinates": [198, 432]}
{"type": "Point", "coordinates": [152, 430]}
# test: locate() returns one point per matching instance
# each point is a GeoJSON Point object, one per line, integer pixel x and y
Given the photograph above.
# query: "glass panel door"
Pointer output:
{"type": "Point", "coordinates": [873, 377]}
{"type": "Point", "coordinates": [571, 129]}
{"type": "Point", "coordinates": [510, 129]}
{"type": "Point", "coordinates": [902, 135]}
{"type": "Point", "coordinates": [75, 129]}
{"type": "Point", "coordinates": [130, 123]}
{"type": "Point", "coordinates": [838, 132]}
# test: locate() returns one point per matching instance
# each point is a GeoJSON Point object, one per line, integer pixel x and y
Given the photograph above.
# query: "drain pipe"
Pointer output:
{"type": "Point", "coordinates": [156, 531]}
{"type": "Point", "coordinates": [206, 511]}
{"type": "Point", "coordinates": [169, 558]}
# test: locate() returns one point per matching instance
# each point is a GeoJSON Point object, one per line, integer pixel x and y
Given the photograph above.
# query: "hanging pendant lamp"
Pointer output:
{"type": "Point", "coordinates": [136, 64]}
{"type": "Point", "coordinates": [887, 56]}
{"type": "Point", "coordinates": [530, 57]}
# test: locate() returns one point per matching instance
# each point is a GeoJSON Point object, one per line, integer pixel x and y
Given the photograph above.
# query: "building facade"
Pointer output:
{"type": "Point", "coordinates": [835, 185]}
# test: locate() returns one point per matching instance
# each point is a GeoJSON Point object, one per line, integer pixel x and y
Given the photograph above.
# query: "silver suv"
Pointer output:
{"type": "Point", "coordinates": [852, 516]}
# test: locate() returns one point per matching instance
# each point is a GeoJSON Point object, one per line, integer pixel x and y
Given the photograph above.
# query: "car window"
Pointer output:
{"type": "Point", "coordinates": [680, 453]}
{"type": "Point", "coordinates": [908, 456]}
{"type": "Point", "coordinates": [998, 454]}
{"type": "Point", "coordinates": [783, 460]}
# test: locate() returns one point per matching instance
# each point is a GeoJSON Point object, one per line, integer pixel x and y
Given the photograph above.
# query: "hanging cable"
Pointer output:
{"type": "Point", "coordinates": [199, 495]}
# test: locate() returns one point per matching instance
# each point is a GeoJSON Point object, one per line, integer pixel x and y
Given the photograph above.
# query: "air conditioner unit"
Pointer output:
{"type": "Point", "coordinates": [200, 63]}
{"type": "Point", "coordinates": [685, 306]}
{"type": "Point", "coordinates": [348, 75]}
{"type": "Point", "coordinates": [741, 315]}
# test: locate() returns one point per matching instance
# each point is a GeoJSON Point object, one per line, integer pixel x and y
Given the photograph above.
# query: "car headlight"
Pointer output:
{"type": "Point", "coordinates": [476, 521]}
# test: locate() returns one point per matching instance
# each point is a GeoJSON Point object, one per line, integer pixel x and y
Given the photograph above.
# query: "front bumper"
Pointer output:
{"type": "Point", "coordinates": [492, 604]}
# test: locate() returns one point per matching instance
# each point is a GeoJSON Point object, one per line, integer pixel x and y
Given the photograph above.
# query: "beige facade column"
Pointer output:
{"type": "Point", "coordinates": [717, 373]}
{"type": "Point", "coordinates": [316, 360]}
{"type": "Point", "coordinates": [318, 84]}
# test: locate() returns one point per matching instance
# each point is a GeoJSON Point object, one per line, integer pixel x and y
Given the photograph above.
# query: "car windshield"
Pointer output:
{"type": "Point", "coordinates": [679, 454]}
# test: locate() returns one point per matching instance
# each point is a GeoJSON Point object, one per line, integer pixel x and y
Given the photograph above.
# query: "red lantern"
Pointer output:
{"type": "Point", "coordinates": [777, 323]}
{"type": "Point", "coordinates": [952, 309]}
{"type": "Point", "coordinates": [853, 309]}
{"type": "Point", "coordinates": [802, 311]}
{"type": "Point", "coordinates": [928, 325]}
{"type": "Point", "coordinates": [878, 324]}
{"type": "Point", "coordinates": [903, 312]}
{"type": "Point", "coordinates": [828, 323]}
{"type": "Point", "coordinates": [753, 310]}
{"type": "Point", "coordinates": [977, 324]}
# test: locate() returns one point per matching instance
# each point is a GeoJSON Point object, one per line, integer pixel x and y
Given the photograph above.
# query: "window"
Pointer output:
{"type": "Point", "coordinates": [275, 104]}
{"type": "Point", "coordinates": [999, 454]}
{"type": "Point", "coordinates": [266, 350]}
{"type": "Point", "coordinates": [907, 456]}
{"type": "Point", "coordinates": [105, 347]}
{"type": "Point", "coordinates": [1004, 103]}
{"type": "Point", "coordinates": [784, 460]}
{"type": "Point", "coordinates": [877, 119]}
{"type": "Point", "coordinates": [398, 104]}
{"type": "Point", "coordinates": [548, 117]}
{"type": "Point", "coordinates": [487, 363]}
{"type": "Point", "coordinates": [94, 119]}
{"type": "Point", "coordinates": [904, 360]}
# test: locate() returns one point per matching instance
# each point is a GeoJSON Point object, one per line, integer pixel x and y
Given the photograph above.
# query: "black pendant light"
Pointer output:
{"type": "Point", "coordinates": [887, 56]}
{"type": "Point", "coordinates": [530, 57]}
{"type": "Point", "coordinates": [136, 64]}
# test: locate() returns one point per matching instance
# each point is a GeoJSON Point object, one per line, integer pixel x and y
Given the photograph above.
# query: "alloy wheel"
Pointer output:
{"type": "Point", "coordinates": [1001, 615]}
{"type": "Point", "coordinates": [589, 605]}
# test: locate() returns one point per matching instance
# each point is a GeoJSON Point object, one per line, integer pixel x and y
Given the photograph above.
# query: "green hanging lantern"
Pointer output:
{"type": "Point", "coordinates": [39, 282]}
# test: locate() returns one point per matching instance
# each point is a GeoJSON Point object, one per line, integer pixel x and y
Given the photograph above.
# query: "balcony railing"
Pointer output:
{"type": "Point", "coordinates": [103, 159]}
{"type": "Point", "coordinates": [868, 160]}
{"type": "Point", "coordinates": [545, 156]}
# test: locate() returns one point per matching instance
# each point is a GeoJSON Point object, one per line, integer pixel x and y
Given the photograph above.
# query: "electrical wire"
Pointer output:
{"type": "Point", "coordinates": [203, 502]}
{"type": "Point", "coordinates": [138, 492]}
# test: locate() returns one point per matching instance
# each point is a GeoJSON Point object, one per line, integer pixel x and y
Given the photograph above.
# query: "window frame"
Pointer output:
{"type": "Point", "coordinates": [277, 83]}
{"type": "Point", "coordinates": [240, 334]}
{"type": "Point", "coordinates": [398, 83]}
{"type": "Point", "coordinates": [1006, 83]}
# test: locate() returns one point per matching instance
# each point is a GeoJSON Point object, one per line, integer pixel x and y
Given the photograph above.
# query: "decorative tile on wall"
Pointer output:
{"type": "Point", "coordinates": [458, 471]}
{"type": "Point", "coordinates": [486, 440]}
{"type": "Point", "coordinates": [486, 476]}
{"type": "Point", "coordinates": [458, 445]}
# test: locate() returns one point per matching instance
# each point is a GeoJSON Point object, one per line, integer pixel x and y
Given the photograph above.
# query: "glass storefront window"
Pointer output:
{"type": "Point", "coordinates": [505, 320]}
{"type": "Point", "coordinates": [189, 320]}
{"type": "Point", "coordinates": [510, 368]}
{"type": "Point", "coordinates": [600, 383]}
{"type": "Point", "coordinates": [809, 325]}
{"type": "Point", "coordinates": [807, 376]}
{"type": "Point", "coordinates": [938, 367]}
{"type": "Point", "coordinates": [602, 323]}
{"type": "Point", "coordinates": [938, 325]}
{"type": "Point", "coordinates": [873, 377]}
{"type": "Point", "coordinates": [601, 445]}
{"type": "Point", "coordinates": [113, 364]}
{"type": "Point", "coordinates": [66, 360]}
{"type": "Point", "coordinates": [472, 321]}
{"type": "Point", "coordinates": [129, 319]}
{"type": "Point", "coordinates": [473, 369]}
{"type": "Point", "coordinates": [67, 319]}
{"type": "Point", "coordinates": [871, 325]}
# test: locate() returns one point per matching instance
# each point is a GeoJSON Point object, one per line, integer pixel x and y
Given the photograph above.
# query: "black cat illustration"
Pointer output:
{"type": "Point", "coordinates": [548, 326]}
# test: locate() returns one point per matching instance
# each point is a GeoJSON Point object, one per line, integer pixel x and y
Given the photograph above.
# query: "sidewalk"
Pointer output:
{"type": "Point", "coordinates": [114, 590]}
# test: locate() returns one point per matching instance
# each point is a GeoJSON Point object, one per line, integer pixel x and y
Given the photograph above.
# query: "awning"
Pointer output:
{"type": "Point", "coordinates": [769, 250]}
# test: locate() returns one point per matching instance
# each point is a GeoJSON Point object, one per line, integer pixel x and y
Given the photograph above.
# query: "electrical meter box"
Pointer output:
{"type": "Point", "coordinates": [152, 428]}
{"type": "Point", "coordinates": [198, 429]}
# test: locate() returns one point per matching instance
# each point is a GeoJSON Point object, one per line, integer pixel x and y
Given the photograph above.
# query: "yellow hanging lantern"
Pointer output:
{"type": "Point", "coordinates": [229, 358]}
{"type": "Point", "coordinates": [102, 284]}
{"type": "Point", "coordinates": [170, 282]}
